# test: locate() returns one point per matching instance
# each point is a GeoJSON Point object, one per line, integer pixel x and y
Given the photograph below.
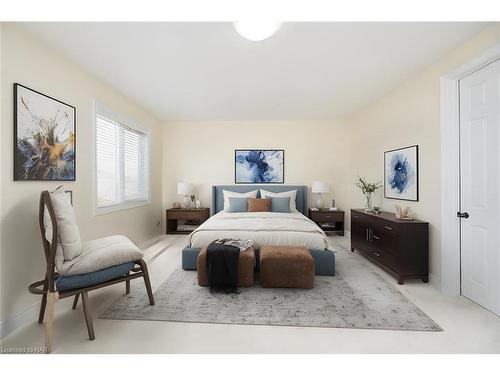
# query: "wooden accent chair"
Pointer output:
{"type": "Point", "coordinates": [102, 278]}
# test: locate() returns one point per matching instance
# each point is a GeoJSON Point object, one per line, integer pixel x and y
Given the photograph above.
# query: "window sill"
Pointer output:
{"type": "Point", "coordinates": [120, 207]}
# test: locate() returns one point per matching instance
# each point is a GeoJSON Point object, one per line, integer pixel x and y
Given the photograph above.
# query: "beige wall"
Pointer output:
{"type": "Point", "coordinates": [26, 61]}
{"type": "Point", "coordinates": [203, 153]}
{"type": "Point", "coordinates": [411, 115]}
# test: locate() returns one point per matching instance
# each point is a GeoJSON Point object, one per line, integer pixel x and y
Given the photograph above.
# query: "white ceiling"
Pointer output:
{"type": "Point", "coordinates": [206, 71]}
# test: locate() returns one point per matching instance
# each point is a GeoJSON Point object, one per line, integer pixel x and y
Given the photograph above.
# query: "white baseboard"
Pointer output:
{"type": "Point", "coordinates": [17, 321]}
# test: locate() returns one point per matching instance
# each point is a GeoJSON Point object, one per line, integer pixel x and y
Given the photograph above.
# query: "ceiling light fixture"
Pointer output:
{"type": "Point", "coordinates": [256, 30]}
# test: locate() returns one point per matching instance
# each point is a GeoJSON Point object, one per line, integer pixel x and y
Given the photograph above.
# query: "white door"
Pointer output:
{"type": "Point", "coordinates": [480, 186]}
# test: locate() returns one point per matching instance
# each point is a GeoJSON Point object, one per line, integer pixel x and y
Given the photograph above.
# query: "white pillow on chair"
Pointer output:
{"type": "Point", "coordinates": [69, 244]}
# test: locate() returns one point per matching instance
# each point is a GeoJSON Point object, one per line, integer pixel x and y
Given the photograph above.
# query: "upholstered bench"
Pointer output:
{"type": "Point", "coordinates": [246, 267]}
{"type": "Point", "coordinates": [286, 267]}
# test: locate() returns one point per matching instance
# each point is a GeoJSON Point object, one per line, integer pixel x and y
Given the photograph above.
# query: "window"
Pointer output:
{"type": "Point", "coordinates": [122, 165]}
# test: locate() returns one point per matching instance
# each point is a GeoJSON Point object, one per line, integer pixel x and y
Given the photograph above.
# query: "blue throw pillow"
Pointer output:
{"type": "Point", "coordinates": [280, 204]}
{"type": "Point", "coordinates": [238, 204]}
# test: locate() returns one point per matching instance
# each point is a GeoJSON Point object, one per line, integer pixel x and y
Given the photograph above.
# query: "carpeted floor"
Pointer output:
{"type": "Point", "coordinates": [357, 297]}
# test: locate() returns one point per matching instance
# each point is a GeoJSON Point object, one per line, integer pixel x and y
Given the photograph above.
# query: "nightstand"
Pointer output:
{"type": "Point", "coordinates": [188, 217]}
{"type": "Point", "coordinates": [331, 221]}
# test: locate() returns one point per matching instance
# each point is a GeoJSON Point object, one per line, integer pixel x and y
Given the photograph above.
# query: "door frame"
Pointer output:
{"type": "Point", "coordinates": [450, 169]}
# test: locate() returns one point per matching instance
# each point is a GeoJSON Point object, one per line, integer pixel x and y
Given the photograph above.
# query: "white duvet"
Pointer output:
{"type": "Point", "coordinates": [264, 228]}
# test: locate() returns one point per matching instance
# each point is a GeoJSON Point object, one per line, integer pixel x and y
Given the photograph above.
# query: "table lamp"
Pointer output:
{"type": "Point", "coordinates": [186, 189]}
{"type": "Point", "coordinates": [319, 188]}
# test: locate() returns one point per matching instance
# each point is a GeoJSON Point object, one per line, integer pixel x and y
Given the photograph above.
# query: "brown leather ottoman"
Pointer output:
{"type": "Point", "coordinates": [246, 267]}
{"type": "Point", "coordinates": [286, 267]}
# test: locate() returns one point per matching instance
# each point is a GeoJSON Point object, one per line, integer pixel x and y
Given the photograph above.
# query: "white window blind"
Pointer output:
{"type": "Point", "coordinates": [122, 162]}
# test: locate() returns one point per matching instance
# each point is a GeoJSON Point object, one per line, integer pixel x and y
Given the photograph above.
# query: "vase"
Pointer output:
{"type": "Point", "coordinates": [368, 206]}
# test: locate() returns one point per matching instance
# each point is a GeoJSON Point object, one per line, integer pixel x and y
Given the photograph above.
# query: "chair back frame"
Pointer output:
{"type": "Point", "coordinates": [49, 248]}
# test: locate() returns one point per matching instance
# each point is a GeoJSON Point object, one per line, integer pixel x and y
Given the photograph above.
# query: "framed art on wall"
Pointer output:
{"type": "Point", "coordinates": [259, 166]}
{"type": "Point", "coordinates": [401, 173]}
{"type": "Point", "coordinates": [44, 137]}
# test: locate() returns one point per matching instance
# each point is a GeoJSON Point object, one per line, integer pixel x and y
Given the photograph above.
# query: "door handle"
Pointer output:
{"type": "Point", "coordinates": [463, 215]}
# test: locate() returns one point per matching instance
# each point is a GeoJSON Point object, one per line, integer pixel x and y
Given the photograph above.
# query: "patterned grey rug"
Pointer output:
{"type": "Point", "coordinates": [357, 297]}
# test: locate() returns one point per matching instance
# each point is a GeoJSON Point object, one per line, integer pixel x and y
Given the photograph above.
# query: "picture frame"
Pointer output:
{"type": "Point", "coordinates": [44, 137]}
{"type": "Point", "coordinates": [259, 166]}
{"type": "Point", "coordinates": [401, 174]}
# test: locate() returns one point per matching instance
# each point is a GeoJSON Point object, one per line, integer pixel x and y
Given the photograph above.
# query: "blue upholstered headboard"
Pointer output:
{"type": "Point", "coordinates": [218, 199]}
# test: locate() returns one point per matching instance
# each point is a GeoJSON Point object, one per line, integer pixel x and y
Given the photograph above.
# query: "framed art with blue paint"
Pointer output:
{"type": "Point", "coordinates": [259, 166]}
{"type": "Point", "coordinates": [44, 137]}
{"type": "Point", "coordinates": [401, 173]}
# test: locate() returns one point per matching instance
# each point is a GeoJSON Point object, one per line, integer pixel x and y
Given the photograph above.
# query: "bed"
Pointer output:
{"type": "Point", "coordinates": [264, 228]}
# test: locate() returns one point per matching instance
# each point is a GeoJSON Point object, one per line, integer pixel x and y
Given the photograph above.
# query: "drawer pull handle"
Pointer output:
{"type": "Point", "coordinates": [356, 217]}
{"type": "Point", "coordinates": [386, 227]}
{"type": "Point", "coordinates": [377, 238]}
{"type": "Point", "coordinates": [376, 254]}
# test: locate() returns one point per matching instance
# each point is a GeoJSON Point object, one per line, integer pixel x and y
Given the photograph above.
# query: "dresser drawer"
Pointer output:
{"type": "Point", "coordinates": [385, 239]}
{"type": "Point", "coordinates": [383, 257]}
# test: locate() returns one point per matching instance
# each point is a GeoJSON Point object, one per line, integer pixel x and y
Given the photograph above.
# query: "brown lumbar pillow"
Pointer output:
{"type": "Point", "coordinates": [259, 205]}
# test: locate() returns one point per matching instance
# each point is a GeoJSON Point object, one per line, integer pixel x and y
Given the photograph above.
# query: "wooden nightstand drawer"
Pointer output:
{"type": "Point", "coordinates": [326, 216]}
{"type": "Point", "coordinates": [184, 214]}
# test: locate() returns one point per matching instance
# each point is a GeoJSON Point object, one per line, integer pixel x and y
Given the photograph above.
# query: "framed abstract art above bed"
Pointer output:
{"type": "Point", "coordinates": [259, 166]}
{"type": "Point", "coordinates": [401, 173]}
{"type": "Point", "coordinates": [44, 137]}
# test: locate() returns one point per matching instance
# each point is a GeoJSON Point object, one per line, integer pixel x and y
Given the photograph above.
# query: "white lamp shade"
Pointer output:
{"type": "Point", "coordinates": [184, 188]}
{"type": "Point", "coordinates": [320, 187]}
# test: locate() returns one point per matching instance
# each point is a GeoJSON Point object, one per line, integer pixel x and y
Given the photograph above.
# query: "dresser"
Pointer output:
{"type": "Point", "coordinates": [401, 247]}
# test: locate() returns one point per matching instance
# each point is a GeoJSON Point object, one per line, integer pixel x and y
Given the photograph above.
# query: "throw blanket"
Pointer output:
{"type": "Point", "coordinates": [240, 244]}
{"type": "Point", "coordinates": [222, 267]}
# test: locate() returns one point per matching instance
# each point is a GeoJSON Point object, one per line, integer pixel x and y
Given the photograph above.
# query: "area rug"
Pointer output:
{"type": "Point", "coordinates": [357, 297]}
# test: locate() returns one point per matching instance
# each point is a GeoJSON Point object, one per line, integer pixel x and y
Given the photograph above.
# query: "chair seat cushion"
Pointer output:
{"type": "Point", "coordinates": [88, 279]}
{"type": "Point", "coordinates": [102, 253]}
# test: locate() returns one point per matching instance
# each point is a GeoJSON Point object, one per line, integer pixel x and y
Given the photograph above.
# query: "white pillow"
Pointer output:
{"type": "Point", "coordinates": [69, 245]}
{"type": "Point", "coordinates": [284, 194]}
{"type": "Point", "coordinates": [234, 194]}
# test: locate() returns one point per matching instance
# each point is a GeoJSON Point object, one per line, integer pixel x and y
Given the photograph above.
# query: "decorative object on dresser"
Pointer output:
{"type": "Point", "coordinates": [403, 213]}
{"type": "Point", "coordinates": [398, 246]}
{"type": "Point", "coordinates": [319, 188]}
{"type": "Point", "coordinates": [44, 137]}
{"type": "Point", "coordinates": [368, 188]}
{"type": "Point", "coordinates": [328, 220]}
{"type": "Point", "coordinates": [259, 166]}
{"type": "Point", "coordinates": [401, 173]}
{"type": "Point", "coordinates": [185, 189]}
{"type": "Point", "coordinates": [176, 205]}
{"type": "Point", "coordinates": [185, 220]}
